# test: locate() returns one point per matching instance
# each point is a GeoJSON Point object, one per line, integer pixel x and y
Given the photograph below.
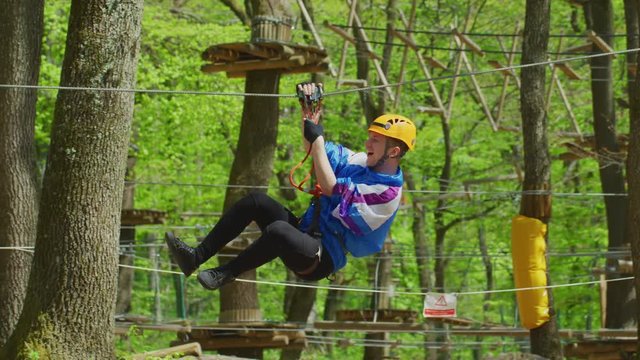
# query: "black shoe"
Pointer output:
{"type": "Point", "coordinates": [182, 254]}
{"type": "Point", "coordinates": [213, 279]}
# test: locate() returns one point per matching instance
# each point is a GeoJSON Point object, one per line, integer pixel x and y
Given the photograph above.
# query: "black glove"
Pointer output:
{"type": "Point", "coordinates": [312, 131]}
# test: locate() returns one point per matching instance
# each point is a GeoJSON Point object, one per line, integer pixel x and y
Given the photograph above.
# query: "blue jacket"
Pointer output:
{"type": "Point", "coordinates": [357, 216]}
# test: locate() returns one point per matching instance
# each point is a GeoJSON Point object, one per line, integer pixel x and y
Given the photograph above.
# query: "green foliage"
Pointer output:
{"type": "Point", "coordinates": [185, 146]}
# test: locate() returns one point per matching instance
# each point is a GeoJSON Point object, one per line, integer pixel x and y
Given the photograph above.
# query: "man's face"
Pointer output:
{"type": "Point", "coordinates": [375, 147]}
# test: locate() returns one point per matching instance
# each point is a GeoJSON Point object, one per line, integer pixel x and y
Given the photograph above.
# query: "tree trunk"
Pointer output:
{"type": "Point", "coordinates": [21, 23]}
{"type": "Point", "coordinates": [332, 303]}
{"type": "Point", "coordinates": [253, 166]}
{"type": "Point", "coordinates": [382, 280]}
{"type": "Point", "coordinates": [127, 240]}
{"type": "Point", "coordinates": [620, 297]}
{"type": "Point", "coordinates": [69, 308]}
{"type": "Point", "coordinates": [297, 307]}
{"type": "Point", "coordinates": [419, 237]}
{"type": "Point", "coordinates": [632, 16]}
{"type": "Point", "coordinates": [544, 339]}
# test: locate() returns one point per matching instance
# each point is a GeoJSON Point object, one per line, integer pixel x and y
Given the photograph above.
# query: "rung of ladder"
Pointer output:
{"type": "Point", "coordinates": [430, 110]}
{"type": "Point", "coordinates": [470, 43]}
{"type": "Point", "coordinates": [580, 48]}
{"type": "Point", "coordinates": [435, 63]}
{"type": "Point", "coordinates": [345, 35]}
{"type": "Point", "coordinates": [360, 83]}
{"type": "Point", "coordinates": [405, 39]}
{"type": "Point", "coordinates": [568, 70]}
{"type": "Point", "coordinates": [496, 65]}
{"type": "Point", "coordinates": [597, 40]}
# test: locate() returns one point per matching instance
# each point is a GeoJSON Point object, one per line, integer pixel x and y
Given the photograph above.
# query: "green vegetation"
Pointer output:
{"type": "Point", "coordinates": [185, 147]}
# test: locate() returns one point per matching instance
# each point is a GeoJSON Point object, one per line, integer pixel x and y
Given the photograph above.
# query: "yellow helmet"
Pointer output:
{"type": "Point", "coordinates": [397, 127]}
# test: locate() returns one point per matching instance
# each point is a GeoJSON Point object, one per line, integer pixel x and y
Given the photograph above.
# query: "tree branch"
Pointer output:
{"type": "Point", "coordinates": [240, 13]}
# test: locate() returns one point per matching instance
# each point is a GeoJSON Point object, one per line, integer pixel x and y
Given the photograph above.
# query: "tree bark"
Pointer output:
{"type": "Point", "coordinates": [69, 308]}
{"type": "Point", "coordinates": [544, 339]}
{"type": "Point", "coordinates": [620, 310]}
{"type": "Point", "coordinates": [382, 280]}
{"type": "Point", "coordinates": [253, 166]}
{"type": "Point", "coordinates": [21, 23]}
{"type": "Point", "coordinates": [127, 239]}
{"type": "Point", "coordinates": [632, 16]}
{"type": "Point", "coordinates": [419, 231]}
{"type": "Point", "coordinates": [297, 307]}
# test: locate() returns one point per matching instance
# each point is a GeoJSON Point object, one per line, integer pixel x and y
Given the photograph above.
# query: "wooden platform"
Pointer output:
{"type": "Point", "coordinates": [134, 217]}
{"type": "Point", "coordinates": [384, 315]}
{"type": "Point", "coordinates": [244, 335]}
{"type": "Point", "coordinates": [610, 349]}
{"type": "Point", "coordinates": [236, 59]}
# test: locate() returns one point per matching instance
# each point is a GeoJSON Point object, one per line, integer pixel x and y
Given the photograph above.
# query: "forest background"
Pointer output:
{"type": "Point", "coordinates": [184, 147]}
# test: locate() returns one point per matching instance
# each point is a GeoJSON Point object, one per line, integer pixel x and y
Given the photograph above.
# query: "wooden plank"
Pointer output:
{"type": "Point", "coordinates": [353, 82]}
{"type": "Point", "coordinates": [435, 63]}
{"type": "Point", "coordinates": [506, 80]}
{"type": "Point", "coordinates": [311, 68]}
{"type": "Point", "coordinates": [600, 43]}
{"type": "Point", "coordinates": [275, 342]}
{"type": "Point", "coordinates": [475, 48]}
{"type": "Point", "coordinates": [384, 315]}
{"type": "Point", "coordinates": [430, 110]}
{"type": "Point", "coordinates": [588, 47]}
{"type": "Point", "coordinates": [215, 54]}
{"type": "Point", "coordinates": [133, 217]}
{"type": "Point", "coordinates": [345, 45]}
{"type": "Point", "coordinates": [568, 70]}
{"type": "Point", "coordinates": [408, 24]}
{"type": "Point", "coordinates": [406, 40]}
{"type": "Point", "coordinates": [193, 349]}
{"type": "Point", "coordinates": [253, 65]}
{"type": "Point", "coordinates": [376, 61]}
{"type": "Point", "coordinates": [343, 34]}
{"type": "Point", "coordinates": [476, 86]}
{"type": "Point", "coordinates": [496, 65]}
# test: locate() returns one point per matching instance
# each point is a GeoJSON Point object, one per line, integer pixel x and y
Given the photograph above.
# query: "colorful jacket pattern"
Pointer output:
{"type": "Point", "coordinates": [357, 216]}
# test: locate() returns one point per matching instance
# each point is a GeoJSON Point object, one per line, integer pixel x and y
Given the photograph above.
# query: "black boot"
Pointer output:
{"type": "Point", "coordinates": [182, 254]}
{"type": "Point", "coordinates": [214, 278]}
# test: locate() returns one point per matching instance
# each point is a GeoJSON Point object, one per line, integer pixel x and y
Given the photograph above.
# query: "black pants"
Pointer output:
{"type": "Point", "coordinates": [280, 238]}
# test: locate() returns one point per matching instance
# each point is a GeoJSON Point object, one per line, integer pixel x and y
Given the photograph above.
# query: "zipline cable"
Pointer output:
{"type": "Point", "coordinates": [338, 92]}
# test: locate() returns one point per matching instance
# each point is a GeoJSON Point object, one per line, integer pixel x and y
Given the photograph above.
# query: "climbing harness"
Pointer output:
{"type": "Point", "coordinates": [311, 106]}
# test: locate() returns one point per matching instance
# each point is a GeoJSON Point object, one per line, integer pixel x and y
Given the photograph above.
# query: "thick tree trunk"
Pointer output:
{"type": "Point", "coordinates": [69, 309]}
{"type": "Point", "coordinates": [21, 24]}
{"type": "Point", "coordinates": [544, 339]}
{"type": "Point", "coordinates": [252, 166]}
{"type": "Point", "coordinates": [127, 240]}
{"type": "Point", "coordinates": [419, 231]}
{"type": "Point", "coordinates": [332, 303]}
{"type": "Point", "coordinates": [383, 280]}
{"type": "Point", "coordinates": [620, 297]}
{"type": "Point", "coordinates": [632, 16]}
{"type": "Point", "coordinates": [297, 307]}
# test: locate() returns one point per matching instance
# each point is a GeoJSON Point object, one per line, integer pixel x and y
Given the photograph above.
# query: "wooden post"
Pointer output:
{"type": "Point", "coordinates": [192, 349]}
{"type": "Point", "coordinates": [474, 81]}
{"type": "Point", "coordinates": [405, 51]}
{"type": "Point", "coordinates": [507, 79]}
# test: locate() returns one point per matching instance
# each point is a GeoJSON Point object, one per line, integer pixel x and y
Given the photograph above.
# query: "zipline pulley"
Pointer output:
{"type": "Point", "coordinates": [311, 108]}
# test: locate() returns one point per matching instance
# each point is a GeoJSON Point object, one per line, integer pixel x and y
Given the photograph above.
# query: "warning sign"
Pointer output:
{"type": "Point", "coordinates": [439, 305]}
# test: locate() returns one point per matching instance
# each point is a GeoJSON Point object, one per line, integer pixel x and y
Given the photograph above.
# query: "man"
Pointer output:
{"type": "Point", "coordinates": [360, 197]}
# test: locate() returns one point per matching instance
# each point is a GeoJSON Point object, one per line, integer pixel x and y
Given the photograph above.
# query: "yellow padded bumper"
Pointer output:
{"type": "Point", "coordinates": [529, 268]}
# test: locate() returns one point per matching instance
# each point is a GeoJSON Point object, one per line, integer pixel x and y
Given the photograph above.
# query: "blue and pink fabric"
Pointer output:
{"type": "Point", "coordinates": [357, 216]}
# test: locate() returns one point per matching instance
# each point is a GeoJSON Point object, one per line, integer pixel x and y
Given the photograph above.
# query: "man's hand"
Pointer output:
{"type": "Point", "coordinates": [312, 131]}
